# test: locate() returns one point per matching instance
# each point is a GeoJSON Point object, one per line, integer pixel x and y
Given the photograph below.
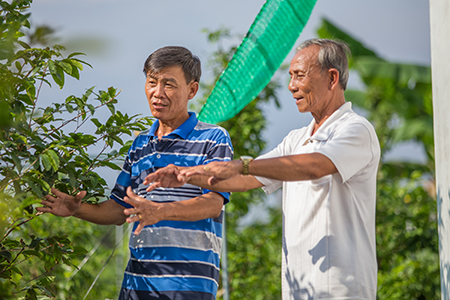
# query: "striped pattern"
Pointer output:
{"type": "Point", "coordinates": [173, 259]}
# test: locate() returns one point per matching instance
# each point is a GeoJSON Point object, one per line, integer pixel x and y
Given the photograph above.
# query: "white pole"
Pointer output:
{"type": "Point", "coordinates": [440, 66]}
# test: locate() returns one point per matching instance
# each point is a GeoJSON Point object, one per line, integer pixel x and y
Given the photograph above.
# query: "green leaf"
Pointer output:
{"type": "Point", "coordinates": [117, 139]}
{"type": "Point", "coordinates": [112, 92]}
{"type": "Point", "coordinates": [44, 185]}
{"type": "Point", "coordinates": [66, 66]}
{"type": "Point", "coordinates": [17, 161]}
{"type": "Point", "coordinates": [91, 108]}
{"type": "Point", "coordinates": [31, 92]}
{"type": "Point", "coordinates": [111, 165]}
{"type": "Point", "coordinates": [31, 294]}
{"type": "Point", "coordinates": [72, 179]}
{"type": "Point", "coordinates": [57, 254]}
{"type": "Point", "coordinates": [331, 31]}
{"type": "Point", "coordinates": [34, 187]}
{"type": "Point", "coordinates": [16, 270]}
{"type": "Point", "coordinates": [76, 64]}
{"type": "Point", "coordinates": [75, 73]}
{"type": "Point", "coordinates": [79, 250]}
{"type": "Point", "coordinates": [75, 54]}
{"type": "Point", "coordinates": [94, 181]}
{"type": "Point", "coordinates": [31, 253]}
{"type": "Point", "coordinates": [18, 66]}
{"type": "Point", "coordinates": [401, 73]}
{"type": "Point", "coordinates": [69, 108]}
{"type": "Point", "coordinates": [45, 160]}
{"type": "Point", "coordinates": [46, 280]}
{"type": "Point", "coordinates": [54, 159]}
{"type": "Point", "coordinates": [81, 61]}
{"type": "Point", "coordinates": [88, 92]}
{"type": "Point", "coordinates": [29, 201]}
{"type": "Point", "coordinates": [111, 108]}
{"type": "Point", "coordinates": [6, 254]}
{"type": "Point", "coordinates": [6, 274]}
{"type": "Point", "coordinates": [57, 73]}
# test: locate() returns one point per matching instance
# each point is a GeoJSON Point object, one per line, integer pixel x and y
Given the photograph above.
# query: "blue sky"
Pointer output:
{"type": "Point", "coordinates": [124, 33]}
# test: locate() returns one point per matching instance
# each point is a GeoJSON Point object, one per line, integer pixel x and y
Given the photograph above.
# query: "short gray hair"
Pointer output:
{"type": "Point", "coordinates": [174, 56]}
{"type": "Point", "coordinates": [332, 54]}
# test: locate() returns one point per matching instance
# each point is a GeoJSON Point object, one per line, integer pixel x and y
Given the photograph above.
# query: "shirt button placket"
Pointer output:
{"type": "Point", "coordinates": [158, 156]}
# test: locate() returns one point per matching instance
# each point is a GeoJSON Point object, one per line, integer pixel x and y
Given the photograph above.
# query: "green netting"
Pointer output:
{"type": "Point", "coordinates": [270, 38]}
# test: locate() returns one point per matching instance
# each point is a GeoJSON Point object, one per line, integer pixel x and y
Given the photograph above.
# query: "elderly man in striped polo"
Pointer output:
{"type": "Point", "coordinates": [176, 244]}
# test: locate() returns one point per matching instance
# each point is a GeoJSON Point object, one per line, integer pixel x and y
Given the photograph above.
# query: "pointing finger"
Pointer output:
{"type": "Point", "coordinates": [130, 211]}
{"type": "Point", "coordinates": [153, 186]}
{"type": "Point", "coordinates": [138, 229]}
{"type": "Point", "coordinates": [131, 201]}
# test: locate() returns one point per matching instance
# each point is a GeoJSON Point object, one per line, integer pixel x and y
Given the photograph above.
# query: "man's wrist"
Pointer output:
{"type": "Point", "coordinates": [246, 160]}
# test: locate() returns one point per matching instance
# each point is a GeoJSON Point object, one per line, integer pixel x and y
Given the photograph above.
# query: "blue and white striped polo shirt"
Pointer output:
{"type": "Point", "coordinates": [173, 259]}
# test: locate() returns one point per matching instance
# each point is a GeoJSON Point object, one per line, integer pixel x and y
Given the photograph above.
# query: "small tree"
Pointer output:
{"type": "Point", "coordinates": [44, 147]}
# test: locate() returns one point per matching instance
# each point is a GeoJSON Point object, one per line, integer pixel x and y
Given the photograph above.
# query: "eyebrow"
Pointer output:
{"type": "Point", "coordinates": [170, 79]}
{"type": "Point", "coordinates": [296, 71]}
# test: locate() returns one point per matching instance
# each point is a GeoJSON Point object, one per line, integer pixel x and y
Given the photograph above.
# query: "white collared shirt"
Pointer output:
{"type": "Point", "coordinates": [329, 223]}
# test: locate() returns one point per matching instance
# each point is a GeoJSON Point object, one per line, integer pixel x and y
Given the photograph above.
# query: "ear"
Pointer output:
{"type": "Point", "coordinates": [333, 79]}
{"type": "Point", "coordinates": [193, 89]}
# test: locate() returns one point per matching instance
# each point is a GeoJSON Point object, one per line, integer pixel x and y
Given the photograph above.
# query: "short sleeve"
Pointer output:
{"type": "Point", "coordinates": [122, 182]}
{"type": "Point", "coordinates": [351, 148]}
{"type": "Point", "coordinates": [221, 151]}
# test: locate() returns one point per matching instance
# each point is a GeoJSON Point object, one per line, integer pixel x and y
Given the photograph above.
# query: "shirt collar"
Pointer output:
{"type": "Point", "coordinates": [182, 131]}
{"type": "Point", "coordinates": [328, 126]}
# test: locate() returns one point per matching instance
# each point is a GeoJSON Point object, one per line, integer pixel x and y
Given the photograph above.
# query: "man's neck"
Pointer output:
{"type": "Point", "coordinates": [324, 115]}
{"type": "Point", "coordinates": [167, 127]}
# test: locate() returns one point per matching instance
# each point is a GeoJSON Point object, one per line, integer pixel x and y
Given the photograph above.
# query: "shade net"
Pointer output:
{"type": "Point", "coordinates": [267, 43]}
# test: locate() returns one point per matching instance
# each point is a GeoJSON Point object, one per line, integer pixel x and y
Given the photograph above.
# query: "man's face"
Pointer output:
{"type": "Point", "coordinates": [168, 95]}
{"type": "Point", "coordinates": [308, 85]}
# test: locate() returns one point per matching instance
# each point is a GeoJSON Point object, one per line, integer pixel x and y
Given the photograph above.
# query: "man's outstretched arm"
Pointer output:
{"type": "Point", "coordinates": [60, 204]}
{"type": "Point", "coordinates": [173, 176]}
{"type": "Point", "coordinates": [227, 176]}
{"type": "Point", "coordinates": [223, 175]}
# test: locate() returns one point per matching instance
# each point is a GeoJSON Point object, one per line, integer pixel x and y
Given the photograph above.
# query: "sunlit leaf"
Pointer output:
{"type": "Point", "coordinates": [111, 165]}
{"type": "Point", "coordinates": [29, 201]}
{"type": "Point", "coordinates": [66, 66]}
{"type": "Point", "coordinates": [54, 159]}
{"type": "Point", "coordinates": [45, 159]}
{"type": "Point", "coordinates": [57, 73]}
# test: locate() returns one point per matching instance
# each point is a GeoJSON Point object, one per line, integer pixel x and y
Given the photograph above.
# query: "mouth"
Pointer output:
{"type": "Point", "coordinates": [158, 105]}
{"type": "Point", "coordinates": [298, 100]}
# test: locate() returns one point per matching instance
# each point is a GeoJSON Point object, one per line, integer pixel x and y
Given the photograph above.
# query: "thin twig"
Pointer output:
{"type": "Point", "coordinates": [37, 95]}
{"type": "Point", "coordinates": [12, 228]}
{"type": "Point", "coordinates": [79, 115]}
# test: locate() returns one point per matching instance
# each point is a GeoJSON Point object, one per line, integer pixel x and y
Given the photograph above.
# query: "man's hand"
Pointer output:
{"type": "Point", "coordinates": [61, 204]}
{"type": "Point", "coordinates": [145, 212]}
{"type": "Point", "coordinates": [216, 171]}
{"type": "Point", "coordinates": [165, 177]}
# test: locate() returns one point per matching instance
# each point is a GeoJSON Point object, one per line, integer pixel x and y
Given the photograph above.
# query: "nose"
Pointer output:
{"type": "Point", "coordinates": [159, 91]}
{"type": "Point", "coordinates": [292, 86]}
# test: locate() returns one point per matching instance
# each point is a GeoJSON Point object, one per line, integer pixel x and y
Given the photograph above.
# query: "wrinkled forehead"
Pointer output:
{"type": "Point", "coordinates": [174, 73]}
{"type": "Point", "coordinates": [305, 60]}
